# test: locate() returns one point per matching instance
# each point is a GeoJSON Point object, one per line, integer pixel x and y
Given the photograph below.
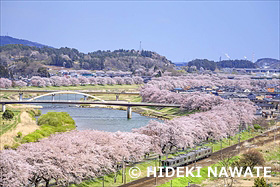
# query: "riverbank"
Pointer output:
{"type": "Point", "coordinates": [27, 125]}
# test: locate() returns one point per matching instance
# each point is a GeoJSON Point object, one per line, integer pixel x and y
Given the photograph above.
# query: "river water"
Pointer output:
{"type": "Point", "coordinates": [104, 119]}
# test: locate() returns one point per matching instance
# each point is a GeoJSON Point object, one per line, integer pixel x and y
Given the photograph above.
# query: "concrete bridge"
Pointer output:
{"type": "Point", "coordinates": [110, 103]}
{"type": "Point", "coordinates": [90, 92]}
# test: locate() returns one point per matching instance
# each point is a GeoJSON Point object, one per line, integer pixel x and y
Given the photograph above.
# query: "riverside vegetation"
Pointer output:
{"type": "Point", "coordinates": [50, 123]}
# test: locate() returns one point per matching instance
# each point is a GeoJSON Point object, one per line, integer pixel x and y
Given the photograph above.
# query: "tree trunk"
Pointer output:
{"type": "Point", "coordinates": [47, 183]}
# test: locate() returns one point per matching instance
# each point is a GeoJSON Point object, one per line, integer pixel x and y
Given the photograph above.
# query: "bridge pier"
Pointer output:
{"type": "Point", "coordinates": [117, 97]}
{"type": "Point", "coordinates": [129, 112]}
{"type": "Point", "coordinates": [53, 97]}
{"type": "Point", "coordinates": [85, 97]}
{"type": "Point", "coordinates": [20, 96]}
{"type": "Point", "coordinates": [3, 107]}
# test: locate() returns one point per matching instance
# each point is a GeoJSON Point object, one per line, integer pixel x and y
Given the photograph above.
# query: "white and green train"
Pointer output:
{"type": "Point", "coordinates": [185, 159]}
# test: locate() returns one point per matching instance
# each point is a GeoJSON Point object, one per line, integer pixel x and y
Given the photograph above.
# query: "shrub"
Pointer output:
{"type": "Point", "coordinates": [7, 146]}
{"type": "Point", "coordinates": [250, 159]}
{"type": "Point", "coordinates": [260, 182]}
{"type": "Point", "coordinates": [257, 126]}
{"type": "Point", "coordinates": [51, 123]}
{"type": "Point", "coordinates": [32, 137]}
{"type": "Point", "coordinates": [8, 114]}
{"type": "Point", "coordinates": [19, 134]}
{"type": "Point", "coordinates": [34, 112]}
{"type": "Point", "coordinates": [262, 122]}
{"type": "Point", "coordinates": [56, 119]}
{"type": "Point", "coordinates": [15, 146]}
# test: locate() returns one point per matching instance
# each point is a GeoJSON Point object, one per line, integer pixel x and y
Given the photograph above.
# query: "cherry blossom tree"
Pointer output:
{"type": "Point", "coordinates": [56, 80]}
{"type": "Point", "coordinates": [83, 80]}
{"type": "Point", "coordinates": [101, 81]}
{"type": "Point", "coordinates": [110, 81]}
{"type": "Point", "coordinates": [65, 81]}
{"type": "Point", "coordinates": [20, 84]}
{"type": "Point", "coordinates": [14, 169]}
{"type": "Point", "coordinates": [74, 81]}
{"type": "Point", "coordinates": [137, 80]}
{"type": "Point", "coordinates": [128, 80]}
{"type": "Point", "coordinates": [48, 81]}
{"type": "Point", "coordinates": [92, 81]}
{"type": "Point", "coordinates": [119, 80]}
{"type": "Point", "coordinates": [37, 81]}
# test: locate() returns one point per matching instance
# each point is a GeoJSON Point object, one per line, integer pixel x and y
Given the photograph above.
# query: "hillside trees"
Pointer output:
{"type": "Point", "coordinates": [125, 60]}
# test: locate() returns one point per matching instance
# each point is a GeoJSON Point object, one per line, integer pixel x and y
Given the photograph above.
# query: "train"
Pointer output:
{"type": "Point", "coordinates": [185, 159]}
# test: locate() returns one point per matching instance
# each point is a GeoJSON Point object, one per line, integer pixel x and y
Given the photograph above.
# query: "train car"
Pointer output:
{"type": "Point", "coordinates": [188, 158]}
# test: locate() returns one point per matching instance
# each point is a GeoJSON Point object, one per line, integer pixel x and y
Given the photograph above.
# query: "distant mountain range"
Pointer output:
{"type": "Point", "coordinates": [4, 40]}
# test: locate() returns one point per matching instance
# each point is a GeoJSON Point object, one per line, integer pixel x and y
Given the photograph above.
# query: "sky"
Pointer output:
{"type": "Point", "coordinates": [180, 30]}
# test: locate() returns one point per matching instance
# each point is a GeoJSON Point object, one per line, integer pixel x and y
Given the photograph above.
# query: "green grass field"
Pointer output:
{"type": "Point", "coordinates": [109, 179]}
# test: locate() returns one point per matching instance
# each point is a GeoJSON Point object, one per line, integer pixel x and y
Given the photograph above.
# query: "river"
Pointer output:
{"type": "Point", "coordinates": [104, 119]}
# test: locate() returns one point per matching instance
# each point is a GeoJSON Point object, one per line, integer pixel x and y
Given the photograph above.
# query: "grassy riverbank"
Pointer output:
{"type": "Point", "coordinates": [27, 130]}
{"type": "Point", "coordinates": [50, 123]}
{"type": "Point", "coordinates": [22, 125]}
{"type": "Point", "coordinates": [6, 125]}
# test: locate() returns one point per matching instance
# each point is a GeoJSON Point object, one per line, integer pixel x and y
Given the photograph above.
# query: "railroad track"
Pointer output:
{"type": "Point", "coordinates": [215, 157]}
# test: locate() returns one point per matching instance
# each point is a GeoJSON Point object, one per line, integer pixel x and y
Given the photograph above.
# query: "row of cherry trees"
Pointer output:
{"type": "Point", "coordinates": [222, 121]}
{"type": "Point", "coordinates": [63, 81]}
{"type": "Point", "coordinates": [6, 83]}
{"type": "Point", "coordinates": [239, 81]}
{"type": "Point", "coordinates": [70, 157]}
{"type": "Point", "coordinates": [191, 101]}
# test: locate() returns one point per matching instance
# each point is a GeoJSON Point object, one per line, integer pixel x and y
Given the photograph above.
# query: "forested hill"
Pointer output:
{"type": "Point", "coordinates": [212, 65]}
{"type": "Point", "coordinates": [28, 60]}
{"type": "Point", "coordinates": [268, 63]}
{"type": "Point", "coordinates": [5, 40]}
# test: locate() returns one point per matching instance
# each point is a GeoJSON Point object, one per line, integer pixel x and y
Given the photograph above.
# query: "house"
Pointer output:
{"type": "Point", "coordinates": [266, 106]}
{"type": "Point", "coordinates": [178, 90]}
{"type": "Point", "coordinates": [252, 96]}
{"type": "Point", "coordinates": [258, 112]}
{"type": "Point", "coordinates": [259, 97]}
{"type": "Point", "coordinates": [87, 74]}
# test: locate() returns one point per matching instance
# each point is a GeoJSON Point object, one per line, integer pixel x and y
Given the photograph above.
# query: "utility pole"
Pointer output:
{"type": "Point", "coordinates": [275, 137]}
{"type": "Point", "coordinates": [123, 170]}
{"type": "Point", "coordinates": [221, 148]}
{"type": "Point", "coordinates": [156, 171]}
{"type": "Point", "coordinates": [195, 157]}
{"type": "Point", "coordinates": [239, 139]}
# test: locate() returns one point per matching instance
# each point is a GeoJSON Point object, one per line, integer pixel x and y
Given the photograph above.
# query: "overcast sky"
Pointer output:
{"type": "Point", "coordinates": [181, 30]}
